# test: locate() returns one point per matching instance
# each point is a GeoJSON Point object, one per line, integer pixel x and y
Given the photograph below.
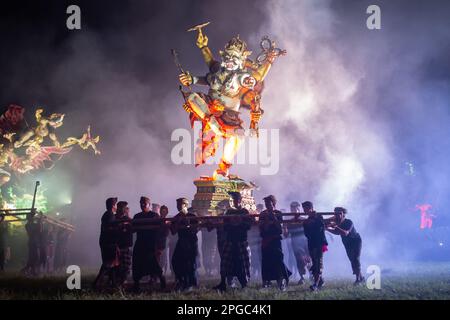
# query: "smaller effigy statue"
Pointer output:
{"type": "Point", "coordinates": [44, 128]}
{"type": "Point", "coordinates": [85, 142]}
{"type": "Point", "coordinates": [37, 146]}
{"type": "Point", "coordinates": [234, 82]}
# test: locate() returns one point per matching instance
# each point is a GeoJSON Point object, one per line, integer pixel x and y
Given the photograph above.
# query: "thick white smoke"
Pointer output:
{"type": "Point", "coordinates": [325, 97]}
{"type": "Point", "coordinates": [330, 145]}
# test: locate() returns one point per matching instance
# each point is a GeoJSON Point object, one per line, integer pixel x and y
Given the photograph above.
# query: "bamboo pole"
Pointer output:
{"type": "Point", "coordinates": [212, 221]}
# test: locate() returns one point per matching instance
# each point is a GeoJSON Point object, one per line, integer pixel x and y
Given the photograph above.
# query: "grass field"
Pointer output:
{"type": "Point", "coordinates": [410, 281]}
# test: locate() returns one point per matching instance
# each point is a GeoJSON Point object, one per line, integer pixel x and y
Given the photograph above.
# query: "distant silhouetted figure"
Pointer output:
{"type": "Point", "coordinates": [46, 248]}
{"type": "Point", "coordinates": [61, 252]}
{"type": "Point", "coordinates": [299, 244]}
{"type": "Point", "coordinates": [209, 251]}
{"type": "Point", "coordinates": [254, 241]}
{"type": "Point", "coordinates": [34, 229]}
{"type": "Point", "coordinates": [161, 239]}
{"type": "Point", "coordinates": [3, 242]}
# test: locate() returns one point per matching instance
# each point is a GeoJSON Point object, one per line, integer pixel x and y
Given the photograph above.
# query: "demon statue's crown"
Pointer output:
{"type": "Point", "coordinates": [237, 46]}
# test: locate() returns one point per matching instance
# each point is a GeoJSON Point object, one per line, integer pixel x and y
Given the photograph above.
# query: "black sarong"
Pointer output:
{"type": "Point", "coordinates": [272, 264]}
{"type": "Point", "coordinates": [184, 259]}
{"type": "Point", "coordinates": [235, 260]}
{"type": "Point", "coordinates": [124, 267]}
{"type": "Point", "coordinates": [145, 262]}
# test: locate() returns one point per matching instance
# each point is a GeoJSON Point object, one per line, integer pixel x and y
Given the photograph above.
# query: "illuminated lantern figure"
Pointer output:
{"type": "Point", "coordinates": [38, 146]}
{"type": "Point", "coordinates": [426, 219]}
{"type": "Point", "coordinates": [233, 82]}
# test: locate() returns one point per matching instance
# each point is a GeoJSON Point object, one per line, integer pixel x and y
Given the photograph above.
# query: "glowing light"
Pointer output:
{"type": "Point", "coordinates": [426, 218]}
{"type": "Point", "coordinates": [57, 213]}
{"type": "Point", "coordinates": [410, 170]}
{"type": "Point", "coordinates": [9, 206]}
{"type": "Point", "coordinates": [65, 198]}
{"type": "Point", "coordinates": [441, 244]}
{"type": "Point", "coordinates": [25, 200]}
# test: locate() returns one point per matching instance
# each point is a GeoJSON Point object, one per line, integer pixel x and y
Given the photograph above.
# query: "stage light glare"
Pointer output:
{"type": "Point", "coordinates": [66, 200]}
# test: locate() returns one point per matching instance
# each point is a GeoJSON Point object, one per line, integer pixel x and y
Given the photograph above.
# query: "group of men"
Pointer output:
{"type": "Point", "coordinates": [308, 243]}
{"type": "Point", "coordinates": [116, 241]}
{"type": "Point", "coordinates": [47, 246]}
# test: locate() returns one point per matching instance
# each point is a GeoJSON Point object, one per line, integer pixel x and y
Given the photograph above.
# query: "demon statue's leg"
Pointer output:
{"type": "Point", "coordinates": [208, 144]}
{"type": "Point", "coordinates": [200, 108]}
{"type": "Point", "coordinates": [232, 145]}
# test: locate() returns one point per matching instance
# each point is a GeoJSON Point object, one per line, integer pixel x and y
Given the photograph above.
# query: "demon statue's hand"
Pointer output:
{"type": "Point", "coordinates": [187, 107]}
{"type": "Point", "coordinates": [202, 40]}
{"type": "Point", "coordinates": [185, 79]}
{"type": "Point", "coordinates": [255, 116]}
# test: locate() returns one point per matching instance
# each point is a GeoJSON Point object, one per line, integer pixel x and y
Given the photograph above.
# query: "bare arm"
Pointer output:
{"type": "Point", "coordinates": [339, 231]}
{"type": "Point", "coordinates": [261, 72]}
{"type": "Point", "coordinates": [202, 44]}
{"type": "Point", "coordinates": [207, 56]}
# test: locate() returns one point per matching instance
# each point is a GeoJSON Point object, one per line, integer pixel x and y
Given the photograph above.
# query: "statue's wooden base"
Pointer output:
{"type": "Point", "coordinates": [211, 192]}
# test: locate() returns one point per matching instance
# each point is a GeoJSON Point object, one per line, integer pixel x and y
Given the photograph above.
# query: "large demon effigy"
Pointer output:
{"type": "Point", "coordinates": [234, 83]}
{"type": "Point", "coordinates": [24, 149]}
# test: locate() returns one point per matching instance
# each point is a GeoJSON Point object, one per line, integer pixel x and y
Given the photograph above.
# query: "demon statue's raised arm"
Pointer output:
{"type": "Point", "coordinates": [234, 82]}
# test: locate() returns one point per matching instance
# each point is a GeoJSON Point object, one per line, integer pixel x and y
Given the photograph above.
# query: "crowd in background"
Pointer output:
{"type": "Point", "coordinates": [47, 246]}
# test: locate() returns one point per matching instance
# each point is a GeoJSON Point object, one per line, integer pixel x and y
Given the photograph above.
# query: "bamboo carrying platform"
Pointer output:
{"type": "Point", "coordinates": [217, 221]}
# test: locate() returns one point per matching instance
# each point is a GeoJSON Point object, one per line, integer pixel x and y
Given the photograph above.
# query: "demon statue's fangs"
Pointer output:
{"type": "Point", "coordinates": [235, 82]}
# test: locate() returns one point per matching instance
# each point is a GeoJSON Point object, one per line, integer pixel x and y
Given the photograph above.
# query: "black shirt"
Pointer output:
{"type": "Point", "coordinates": [62, 237]}
{"type": "Point", "coordinates": [186, 231]}
{"type": "Point", "coordinates": [315, 231]}
{"type": "Point", "coordinates": [347, 225]}
{"type": "Point", "coordinates": [106, 234]}
{"type": "Point", "coordinates": [272, 230]}
{"type": "Point", "coordinates": [221, 235]}
{"type": "Point", "coordinates": [124, 232]}
{"type": "Point", "coordinates": [146, 237]}
{"type": "Point", "coordinates": [46, 238]}
{"type": "Point", "coordinates": [186, 234]}
{"type": "Point", "coordinates": [34, 232]}
{"type": "Point", "coordinates": [237, 233]}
